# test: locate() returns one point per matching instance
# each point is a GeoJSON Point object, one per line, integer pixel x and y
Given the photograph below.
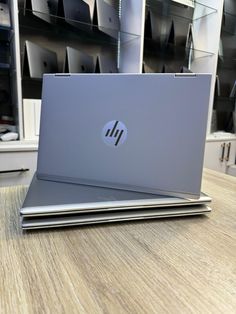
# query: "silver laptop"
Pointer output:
{"type": "Point", "coordinates": [106, 17]}
{"type": "Point", "coordinates": [135, 132]}
{"type": "Point", "coordinates": [106, 63]}
{"type": "Point", "coordinates": [38, 60]}
{"type": "Point", "coordinates": [77, 13]}
{"type": "Point", "coordinates": [52, 204]}
{"type": "Point", "coordinates": [78, 62]}
{"type": "Point", "coordinates": [44, 9]}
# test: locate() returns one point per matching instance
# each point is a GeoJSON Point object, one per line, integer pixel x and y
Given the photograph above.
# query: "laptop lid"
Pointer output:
{"type": "Point", "coordinates": [106, 17]}
{"type": "Point", "coordinates": [38, 60]}
{"type": "Point", "coordinates": [128, 131]}
{"type": "Point", "coordinates": [106, 63]}
{"type": "Point", "coordinates": [77, 13]}
{"type": "Point", "coordinates": [44, 9]}
{"type": "Point", "coordinates": [78, 62]}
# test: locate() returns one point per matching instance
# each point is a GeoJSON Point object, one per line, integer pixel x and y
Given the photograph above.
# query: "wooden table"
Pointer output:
{"type": "Point", "coordinates": [178, 265]}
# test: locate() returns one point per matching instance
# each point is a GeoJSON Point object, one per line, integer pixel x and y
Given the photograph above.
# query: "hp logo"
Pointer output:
{"type": "Point", "coordinates": [114, 133]}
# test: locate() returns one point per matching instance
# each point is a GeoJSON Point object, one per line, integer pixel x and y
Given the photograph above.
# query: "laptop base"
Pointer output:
{"type": "Point", "coordinates": [52, 204]}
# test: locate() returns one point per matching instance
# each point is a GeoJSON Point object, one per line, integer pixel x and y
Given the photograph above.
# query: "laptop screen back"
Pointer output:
{"type": "Point", "coordinates": [128, 131]}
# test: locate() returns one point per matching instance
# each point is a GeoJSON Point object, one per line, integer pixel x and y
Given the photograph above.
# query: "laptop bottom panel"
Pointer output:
{"type": "Point", "coordinates": [104, 217]}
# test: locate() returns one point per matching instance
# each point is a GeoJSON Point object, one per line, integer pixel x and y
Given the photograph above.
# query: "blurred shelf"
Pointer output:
{"type": "Point", "coordinates": [229, 23]}
{"type": "Point", "coordinates": [4, 66]}
{"type": "Point", "coordinates": [5, 62]}
{"type": "Point", "coordinates": [73, 29]}
{"type": "Point", "coordinates": [18, 146]}
{"type": "Point", "coordinates": [224, 104]}
{"type": "Point", "coordinates": [152, 47]}
{"type": "Point", "coordinates": [5, 28]}
{"type": "Point", "coordinates": [221, 136]}
{"type": "Point", "coordinates": [170, 58]}
{"type": "Point", "coordinates": [6, 34]}
{"type": "Point", "coordinates": [227, 62]}
{"type": "Point", "coordinates": [195, 10]}
{"type": "Point", "coordinates": [31, 88]}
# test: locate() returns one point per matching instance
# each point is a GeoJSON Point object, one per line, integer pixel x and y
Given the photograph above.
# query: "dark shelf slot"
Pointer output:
{"type": "Point", "coordinates": [229, 23]}
{"type": "Point", "coordinates": [4, 66]}
{"type": "Point", "coordinates": [154, 48]}
{"type": "Point", "coordinates": [5, 28]}
{"type": "Point", "coordinates": [224, 104]}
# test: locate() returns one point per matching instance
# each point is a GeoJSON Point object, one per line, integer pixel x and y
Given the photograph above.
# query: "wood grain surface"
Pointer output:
{"type": "Point", "coordinates": [177, 265]}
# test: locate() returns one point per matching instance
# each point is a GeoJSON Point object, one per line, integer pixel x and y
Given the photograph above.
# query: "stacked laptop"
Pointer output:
{"type": "Point", "coordinates": [117, 147]}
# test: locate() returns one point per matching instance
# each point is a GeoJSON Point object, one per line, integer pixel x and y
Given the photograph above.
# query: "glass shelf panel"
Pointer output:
{"type": "Point", "coordinates": [170, 58]}
{"type": "Point", "coordinates": [169, 50]}
{"type": "Point", "coordinates": [189, 10]}
{"type": "Point", "coordinates": [61, 34]}
{"type": "Point", "coordinates": [74, 28]}
{"type": "Point", "coordinates": [172, 32]}
{"type": "Point", "coordinates": [59, 42]}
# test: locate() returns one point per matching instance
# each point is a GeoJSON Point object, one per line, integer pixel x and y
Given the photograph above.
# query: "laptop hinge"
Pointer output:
{"type": "Point", "coordinates": [62, 74]}
{"type": "Point", "coordinates": [185, 75]}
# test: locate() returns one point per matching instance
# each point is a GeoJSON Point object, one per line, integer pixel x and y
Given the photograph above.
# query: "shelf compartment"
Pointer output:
{"type": "Point", "coordinates": [6, 35]}
{"type": "Point", "coordinates": [227, 62]}
{"type": "Point", "coordinates": [229, 23]}
{"type": "Point", "coordinates": [226, 72]}
{"type": "Point", "coordinates": [6, 107]}
{"type": "Point", "coordinates": [81, 30]}
{"type": "Point", "coordinates": [61, 36]}
{"type": "Point", "coordinates": [5, 59]}
{"type": "Point", "coordinates": [172, 32]}
{"type": "Point", "coordinates": [224, 111]}
{"type": "Point", "coordinates": [224, 121]}
{"type": "Point", "coordinates": [5, 28]}
{"type": "Point", "coordinates": [58, 43]}
{"type": "Point", "coordinates": [80, 14]}
{"type": "Point", "coordinates": [224, 104]}
{"type": "Point", "coordinates": [229, 18]}
{"type": "Point", "coordinates": [170, 58]}
{"type": "Point", "coordinates": [195, 10]}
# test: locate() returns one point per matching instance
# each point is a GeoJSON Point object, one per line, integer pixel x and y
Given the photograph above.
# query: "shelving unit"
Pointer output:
{"type": "Point", "coordinates": [169, 35]}
{"type": "Point", "coordinates": [10, 108]}
{"type": "Point", "coordinates": [221, 142]}
{"type": "Point", "coordinates": [225, 94]}
{"type": "Point", "coordinates": [131, 46]}
{"type": "Point", "coordinates": [121, 46]}
{"type": "Point", "coordinates": [5, 63]}
{"type": "Point", "coordinates": [111, 45]}
{"type": "Point", "coordinates": [128, 47]}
